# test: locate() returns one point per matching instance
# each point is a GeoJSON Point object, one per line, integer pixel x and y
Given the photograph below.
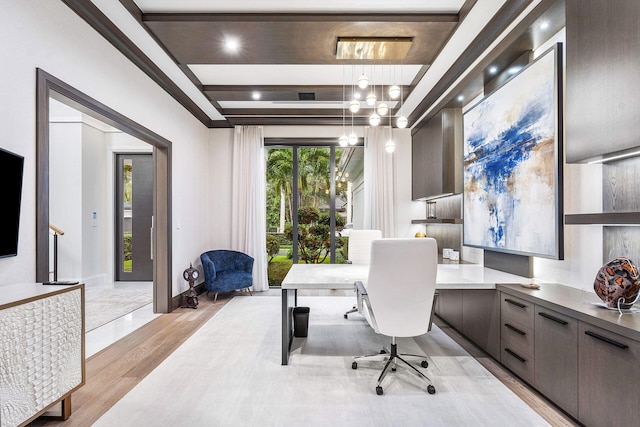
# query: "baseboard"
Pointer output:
{"type": "Point", "coordinates": [178, 300]}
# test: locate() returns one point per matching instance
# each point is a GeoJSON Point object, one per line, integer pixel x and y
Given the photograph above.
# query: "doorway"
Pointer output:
{"type": "Point", "coordinates": [134, 217]}
{"type": "Point", "coordinates": [49, 87]}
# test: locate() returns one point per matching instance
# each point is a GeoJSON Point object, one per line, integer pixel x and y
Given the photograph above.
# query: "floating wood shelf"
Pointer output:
{"type": "Point", "coordinates": [437, 221]}
{"type": "Point", "coordinates": [609, 218]}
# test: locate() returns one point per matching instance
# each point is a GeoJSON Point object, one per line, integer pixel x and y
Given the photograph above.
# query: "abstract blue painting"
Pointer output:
{"type": "Point", "coordinates": [511, 168]}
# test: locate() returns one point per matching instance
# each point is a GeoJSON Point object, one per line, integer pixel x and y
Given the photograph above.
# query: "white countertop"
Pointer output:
{"type": "Point", "coordinates": [20, 293]}
{"type": "Point", "coordinates": [342, 276]}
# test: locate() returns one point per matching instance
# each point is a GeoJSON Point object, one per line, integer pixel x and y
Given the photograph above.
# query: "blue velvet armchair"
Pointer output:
{"type": "Point", "coordinates": [226, 270]}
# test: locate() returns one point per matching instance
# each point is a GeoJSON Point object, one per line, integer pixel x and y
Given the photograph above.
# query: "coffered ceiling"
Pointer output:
{"type": "Point", "coordinates": [284, 68]}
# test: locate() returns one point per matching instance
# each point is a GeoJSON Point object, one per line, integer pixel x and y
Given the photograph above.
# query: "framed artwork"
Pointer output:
{"type": "Point", "coordinates": [512, 171]}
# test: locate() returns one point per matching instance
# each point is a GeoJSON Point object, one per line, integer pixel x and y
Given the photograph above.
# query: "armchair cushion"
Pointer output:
{"type": "Point", "coordinates": [226, 270]}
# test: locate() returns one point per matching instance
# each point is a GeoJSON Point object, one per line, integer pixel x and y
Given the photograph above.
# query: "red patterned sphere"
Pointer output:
{"type": "Point", "coordinates": [618, 280]}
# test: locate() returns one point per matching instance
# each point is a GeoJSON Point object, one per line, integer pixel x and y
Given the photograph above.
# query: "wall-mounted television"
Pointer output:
{"type": "Point", "coordinates": [512, 170]}
{"type": "Point", "coordinates": [11, 169]}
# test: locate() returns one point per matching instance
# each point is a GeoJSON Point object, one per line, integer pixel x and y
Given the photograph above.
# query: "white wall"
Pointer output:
{"type": "Point", "coordinates": [65, 173]}
{"type": "Point", "coordinates": [48, 35]}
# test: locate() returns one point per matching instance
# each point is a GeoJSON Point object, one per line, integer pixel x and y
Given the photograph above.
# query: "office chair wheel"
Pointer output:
{"type": "Point", "coordinates": [354, 365]}
{"type": "Point", "coordinates": [431, 389]}
{"type": "Point", "coordinates": [424, 364]}
{"type": "Point", "coordinates": [379, 390]}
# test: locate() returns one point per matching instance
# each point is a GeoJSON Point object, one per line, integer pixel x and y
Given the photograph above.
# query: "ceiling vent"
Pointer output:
{"type": "Point", "coordinates": [306, 96]}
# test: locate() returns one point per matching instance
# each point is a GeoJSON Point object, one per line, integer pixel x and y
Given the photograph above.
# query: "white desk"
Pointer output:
{"type": "Point", "coordinates": [343, 276]}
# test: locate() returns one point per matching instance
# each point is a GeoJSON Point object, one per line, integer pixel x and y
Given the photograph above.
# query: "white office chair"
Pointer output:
{"type": "Point", "coordinates": [360, 252]}
{"type": "Point", "coordinates": [398, 297]}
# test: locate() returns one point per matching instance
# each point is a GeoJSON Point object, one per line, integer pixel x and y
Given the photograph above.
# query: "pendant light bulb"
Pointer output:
{"type": "Point", "coordinates": [394, 92]}
{"type": "Point", "coordinates": [402, 122]}
{"type": "Point", "coordinates": [343, 140]}
{"type": "Point", "coordinates": [352, 139]}
{"type": "Point", "coordinates": [371, 99]}
{"type": "Point", "coordinates": [390, 146]}
{"type": "Point", "coordinates": [363, 81]}
{"type": "Point", "coordinates": [374, 119]}
{"type": "Point", "coordinates": [383, 109]}
{"type": "Point", "coordinates": [354, 106]}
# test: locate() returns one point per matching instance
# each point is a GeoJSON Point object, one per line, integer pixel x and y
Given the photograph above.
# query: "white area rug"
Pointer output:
{"type": "Point", "coordinates": [229, 374]}
{"type": "Point", "coordinates": [104, 305]}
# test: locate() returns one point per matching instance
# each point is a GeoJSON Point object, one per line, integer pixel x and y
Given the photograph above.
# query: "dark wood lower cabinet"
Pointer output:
{"type": "Point", "coordinates": [609, 372]}
{"type": "Point", "coordinates": [481, 319]}
{"type": "Point", "coordinates": [450, 307]}
{"type": "Point", "coordinates": [556, 358]}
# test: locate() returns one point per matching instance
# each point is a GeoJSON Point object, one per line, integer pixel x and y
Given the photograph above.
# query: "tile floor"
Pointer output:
{"type": "Point", "coordinates": [111, 332]}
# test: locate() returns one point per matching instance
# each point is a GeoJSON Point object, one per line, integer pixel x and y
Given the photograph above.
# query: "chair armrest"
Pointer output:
{"type": "Point", "coordinates": [360, 288]}
{"type": "Point", "coordinates": [208, 267]}
{"type": "Point", "coordinates": [363, 297]}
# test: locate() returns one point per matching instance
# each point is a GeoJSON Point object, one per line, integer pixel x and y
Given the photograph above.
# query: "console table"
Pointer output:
{"type": "Point", "coordinates": [41, 349]}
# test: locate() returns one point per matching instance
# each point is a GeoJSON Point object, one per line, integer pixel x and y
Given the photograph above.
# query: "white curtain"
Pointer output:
{"type": "Point", "coordinates": [378, 182]}
{"type": "Point", "coordinates": [248, 207]}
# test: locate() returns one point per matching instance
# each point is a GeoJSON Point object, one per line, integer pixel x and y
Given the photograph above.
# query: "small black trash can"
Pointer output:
{"type": "Point", "coordinates": [300, 321]}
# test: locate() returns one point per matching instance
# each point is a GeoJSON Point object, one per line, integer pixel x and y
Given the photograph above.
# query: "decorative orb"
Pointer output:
{"type": "Point", "coordinates": [402, 122]}
{"type": "Point", "coordinates": [353, 138]}
{"type": "Point", "coordinates": [354, 106]}
{"type": "Point", "coordinates": [618, 280]}
{"type": "Point", "coordinates": [374, 119]}
{"type": "Point", "coordinates": [343, 140]}
{"type": "Point", "coordinates": [371, 99]}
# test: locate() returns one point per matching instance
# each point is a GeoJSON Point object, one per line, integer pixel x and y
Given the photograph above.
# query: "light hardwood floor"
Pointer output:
{"type": "Point", "coordinates": [114, 371]}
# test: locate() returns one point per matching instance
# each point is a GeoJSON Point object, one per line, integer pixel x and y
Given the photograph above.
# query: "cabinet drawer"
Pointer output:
{"type": "Point", "coordinates": [518, 337]}
{"type": "Point", "coordinates": [556, 358]}
{"type": "Point", "coordinates": [608, 377]}
{"type": "Point", "coordinates": [516, 309]}
{"type": "Point", "coordinates": [518, 362]}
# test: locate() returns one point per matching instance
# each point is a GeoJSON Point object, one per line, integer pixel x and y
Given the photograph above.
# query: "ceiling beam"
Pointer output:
{"type": "Point", "coordinates": [100, 23]}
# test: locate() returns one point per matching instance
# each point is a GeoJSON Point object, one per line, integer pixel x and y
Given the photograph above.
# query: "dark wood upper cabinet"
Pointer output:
{"type": "Point", "coordinates": [436, 156]}
{"type": "Point", "coordinates": [602, 78]}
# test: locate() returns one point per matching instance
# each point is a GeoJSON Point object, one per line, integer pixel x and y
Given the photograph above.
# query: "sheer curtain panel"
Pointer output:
{"type": "Point", "coordinates": [248, 218]}
{"type": "Point", "coordinates": [378, 183]}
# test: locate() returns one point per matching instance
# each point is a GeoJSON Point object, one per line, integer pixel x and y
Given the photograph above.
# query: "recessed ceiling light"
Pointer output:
{"type": "Point", "coordinates": [255, 95]}
{"type": "Point", "coordinates": [493, 69]}
{"type": "Point", "coordinates": [544, 25]}
{"type": "Point", "coordinates": [460, 97]}
{"type": "Point", "coordinates": [231, 45]}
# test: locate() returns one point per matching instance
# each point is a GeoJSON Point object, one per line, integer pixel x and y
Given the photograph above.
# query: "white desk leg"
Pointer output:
{"type": "Point", "coordinates": [289, 300]}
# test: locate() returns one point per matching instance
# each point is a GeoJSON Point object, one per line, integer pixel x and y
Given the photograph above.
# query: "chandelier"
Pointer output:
{"type": "Point", "coordinates": [378, 99]}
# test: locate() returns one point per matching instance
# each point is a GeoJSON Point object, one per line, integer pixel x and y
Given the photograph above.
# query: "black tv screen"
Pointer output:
{"type": "Point", "coordinates": [11, 167]}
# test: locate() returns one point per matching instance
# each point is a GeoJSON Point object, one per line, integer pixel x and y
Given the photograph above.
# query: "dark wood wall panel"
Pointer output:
{"type": "Point", "coordinates": [603, 82]}
{"type": "Point", "coordinates": [621, 242]}
{"type": "Point", "coordinates": [621, 186]}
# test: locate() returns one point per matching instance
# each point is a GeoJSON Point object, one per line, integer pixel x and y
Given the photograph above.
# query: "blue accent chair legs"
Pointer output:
{"type": "Point", "coordinates": [226, 270]}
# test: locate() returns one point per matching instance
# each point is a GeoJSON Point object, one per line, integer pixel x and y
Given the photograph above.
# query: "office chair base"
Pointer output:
{"type": "Point", "coordinates": [391, 363]}
{"type": "Point", "coordinates": [353, 310]}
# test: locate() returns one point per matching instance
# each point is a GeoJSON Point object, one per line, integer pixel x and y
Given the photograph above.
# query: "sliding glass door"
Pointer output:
{"type": "Point", "coordinates": [316, 209]}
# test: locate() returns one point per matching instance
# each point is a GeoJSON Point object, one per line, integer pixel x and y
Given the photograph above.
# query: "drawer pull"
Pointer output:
{"type": "Point", "coordinates": [607, 340]}
{"type": "Point", "coordinates": [520, 358]}
{"type": "Point", "coordinates": [514, 329]}
{"type": "Point", "coordinates": [553, 318]}
{"type": "Point", "coordinates": [516, 303]}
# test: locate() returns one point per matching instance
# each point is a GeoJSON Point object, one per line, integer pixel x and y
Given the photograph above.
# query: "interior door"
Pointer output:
{"type": "Point", "coordinates": [134, 217]}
